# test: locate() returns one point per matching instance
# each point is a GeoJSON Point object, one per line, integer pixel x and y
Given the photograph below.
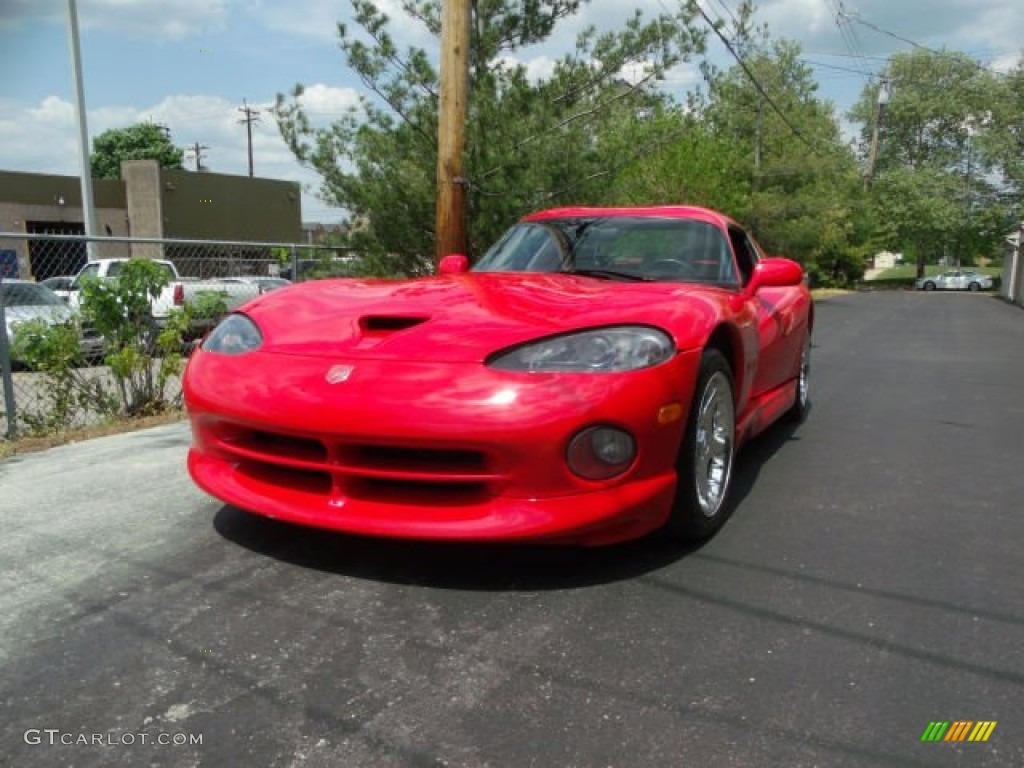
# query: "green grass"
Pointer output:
{"type": "Point", "coordinates": [910, 271]}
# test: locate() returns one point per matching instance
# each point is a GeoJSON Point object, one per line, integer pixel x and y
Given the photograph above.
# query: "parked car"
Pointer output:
{"type": "Point", "coordinates": [588, 381]}
{"type": "Point", "coordinates": [179, 291]}
{"type": "Point", "coordinates": [60, 285]}
{"type": "Point", "coordinates": [265, 283]}
{"type": "Point", "coordinates": [955, 280]}
{"type": "Point", "coordinates": [25, 301]}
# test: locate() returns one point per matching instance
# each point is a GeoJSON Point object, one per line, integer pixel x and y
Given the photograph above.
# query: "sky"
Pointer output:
{"type": "Point", "coordinates": [188, 64]}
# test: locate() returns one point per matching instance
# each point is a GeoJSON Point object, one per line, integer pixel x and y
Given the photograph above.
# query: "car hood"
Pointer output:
{"type": "Point", "coordinates": [465, 318]}
{"type": "Point", "coordinates": [51, 314]}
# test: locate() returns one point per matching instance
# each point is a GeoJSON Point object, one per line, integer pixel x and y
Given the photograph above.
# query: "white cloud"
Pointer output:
{"type": "Point", "coordinates": [321, 100]}
{"type": "Point", "coordinates": [537, 67]}
{"type": "Point", "coordinates": [43, 138]}
{"type": "Point", "coordinates": [318, 19]}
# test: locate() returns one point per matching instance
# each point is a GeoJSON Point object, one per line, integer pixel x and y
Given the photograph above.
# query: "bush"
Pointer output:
{"type": "Point", "coordinates": [142, 356]}
{"type": "Point", "coordinates": [53, 351]}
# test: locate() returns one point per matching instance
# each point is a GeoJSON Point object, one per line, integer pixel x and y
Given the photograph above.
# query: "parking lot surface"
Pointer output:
{"type": "Point", "coordinates": [869, 583]}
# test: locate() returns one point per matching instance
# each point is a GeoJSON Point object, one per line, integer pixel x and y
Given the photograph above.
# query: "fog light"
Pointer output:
{"type": "Point", "coordinates": [598, 453]}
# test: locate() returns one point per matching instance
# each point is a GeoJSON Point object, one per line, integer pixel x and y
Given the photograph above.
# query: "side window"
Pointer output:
{"type": "Point", "coordinates": [746, 253]}
{"type": "Point", "coordinates": [90, 271]}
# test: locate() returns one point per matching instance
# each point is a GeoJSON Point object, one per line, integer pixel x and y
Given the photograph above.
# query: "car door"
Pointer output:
{"type": "Point", "coordinates": [779, 320]}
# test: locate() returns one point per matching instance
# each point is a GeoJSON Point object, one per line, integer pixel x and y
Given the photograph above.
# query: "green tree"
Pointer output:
{"type": "Point", "coordinates": [142, 357]}
{"type": "Point", "coordinates": [143, 141]}
{"type": "Point", "coordinates": [530, 142]}
{"type": "Point", "coordinates": [792, 179]}
{"type": "Point", "coordinates": [934, 193]}
{"type": "Point", "coordinates": [1003, 144]}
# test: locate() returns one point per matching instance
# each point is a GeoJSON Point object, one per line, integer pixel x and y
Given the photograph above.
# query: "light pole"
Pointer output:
{"type": "Point", "coordinates": [88, 209]}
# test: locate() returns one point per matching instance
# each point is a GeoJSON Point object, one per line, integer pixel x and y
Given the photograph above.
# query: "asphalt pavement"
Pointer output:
{"type": "Point", "coordinates": [869, 583]}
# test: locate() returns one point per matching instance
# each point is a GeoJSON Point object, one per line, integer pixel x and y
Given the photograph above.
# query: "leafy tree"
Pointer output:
{"type": "Point", "coordinates": [68, 392]}
{"type": "Point", "coordinates": [143, 141]}
{"type": "Point", "coordinates": [787, 172]}
{"type": "Point", "coordinates": [693, 165]}
{"type": "Point", "coordinates": [530, 143]}
{"type": "Point", "coordinates": [1004, 142]}
{"type": "Point", "coordinates": [141, 356]}
{"type": "Point", "coordinates": [934, 193]}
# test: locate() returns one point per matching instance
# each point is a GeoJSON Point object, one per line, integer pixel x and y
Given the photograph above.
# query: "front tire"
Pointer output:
{"type": "Point", "coordinates": [704, 465]}
{"type": "Point", "coordinates": [929, 286]}
{"type": "Point", "coordinates": [974, 287]}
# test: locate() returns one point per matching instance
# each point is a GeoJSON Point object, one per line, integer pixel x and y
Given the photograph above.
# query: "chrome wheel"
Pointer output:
{"type": "Point", "coordinates": [804, 382]}
{"type": "Point", "coordinates": [714, 442]}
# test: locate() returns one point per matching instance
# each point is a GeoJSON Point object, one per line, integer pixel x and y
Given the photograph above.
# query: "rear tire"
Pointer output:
{"type": "Point", "coordinates": [798, 412]}
{"type": "Point", "coordinates": [704, 465]}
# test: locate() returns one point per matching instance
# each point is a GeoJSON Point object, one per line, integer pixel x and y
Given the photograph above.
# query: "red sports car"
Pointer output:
{"type": "Point", "coordinates": [589, 380]}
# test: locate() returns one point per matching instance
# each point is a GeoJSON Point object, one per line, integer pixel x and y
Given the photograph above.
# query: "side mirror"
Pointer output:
{"type": "Point", "coordinates": [453, 264]}
{"type": "Point", "coordinates": [774, 273]}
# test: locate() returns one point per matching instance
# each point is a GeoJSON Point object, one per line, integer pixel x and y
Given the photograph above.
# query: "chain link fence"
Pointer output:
{"type": "Point", "coordinates": [41, 278]}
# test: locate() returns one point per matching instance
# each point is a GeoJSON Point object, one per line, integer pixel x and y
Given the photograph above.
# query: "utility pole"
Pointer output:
{"type": "Point", "coordinates": [197, 150]}
{"type": "Point", "coordinates": [757, 137]}
{"type": "Point", "coordinates": [755, 183]}
{"type": "Point", "coordinates": [451, 128]}
{"type": "Point", "coordinates": [883, 99]}
{"type": "Point", "coordinates": [251, 116]}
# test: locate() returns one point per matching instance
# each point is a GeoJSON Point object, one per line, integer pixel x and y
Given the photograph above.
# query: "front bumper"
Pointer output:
{"type": "Point", "coordinates": [432, 451]}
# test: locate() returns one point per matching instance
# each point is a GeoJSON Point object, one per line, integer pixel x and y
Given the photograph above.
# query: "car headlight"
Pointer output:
{"type": "Point", "coordinates": [234, 335]}
{"type": "Point", "coordinates": [601, 350]}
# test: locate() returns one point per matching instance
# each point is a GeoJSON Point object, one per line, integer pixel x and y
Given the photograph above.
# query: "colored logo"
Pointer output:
{"type": "Point", "coordinates": [959, 730]}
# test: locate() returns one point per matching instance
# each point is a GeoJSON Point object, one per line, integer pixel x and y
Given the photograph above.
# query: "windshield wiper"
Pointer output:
{"type": "Point", "coordinates": [608, 274]}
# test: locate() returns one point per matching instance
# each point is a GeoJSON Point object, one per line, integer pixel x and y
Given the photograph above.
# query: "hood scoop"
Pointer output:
{"type": "Point", "coordinates": [376, 326]}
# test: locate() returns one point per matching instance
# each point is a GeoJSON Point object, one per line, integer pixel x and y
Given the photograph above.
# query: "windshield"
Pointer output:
{"type": "Point", "coordinates": [634, 248]}
{"type": "Point", "coordinates": [114, 268]}
{"type": "Point", "coordinates": [29, 295]}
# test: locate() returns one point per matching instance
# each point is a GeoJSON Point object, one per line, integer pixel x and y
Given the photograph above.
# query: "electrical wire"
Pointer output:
{"type": "Point", "coordinates": [753, 79]}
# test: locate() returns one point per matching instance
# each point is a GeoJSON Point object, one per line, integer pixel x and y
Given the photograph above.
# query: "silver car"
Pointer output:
{"type": "Point", "coordinates": [24, 301]}
{"type": "Point", "coordinates": [955, 280]}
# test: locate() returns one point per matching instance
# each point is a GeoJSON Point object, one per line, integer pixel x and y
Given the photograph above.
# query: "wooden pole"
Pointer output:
{"type": "Point", "coordinates": [451, 128]}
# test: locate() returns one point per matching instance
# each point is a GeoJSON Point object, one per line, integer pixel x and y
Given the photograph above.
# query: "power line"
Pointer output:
{"type": "Point", "coordinates": [251, 116]}
{"type": "Point", "coordinates": [850, 39]}
{"type": "Point", "coordinates": [856, 17]}
{"type": "Point", "coordinates": [753, 79]}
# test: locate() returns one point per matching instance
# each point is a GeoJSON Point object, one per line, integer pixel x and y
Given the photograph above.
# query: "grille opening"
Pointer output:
{"type": "Point", "coordinates": [301, 480]}
{"type": "Point", "coordinates": [385, 456]}
{"type": "Point", "coordinates": [286, 446]}
{"type": "Point", "coordinates": [388, 323]}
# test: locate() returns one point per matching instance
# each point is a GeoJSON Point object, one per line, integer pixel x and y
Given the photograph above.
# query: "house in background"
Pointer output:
{"type": "Point", "coordinates": [887, 260]}
{"type": "Point", "coordinates": [148, 201]}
